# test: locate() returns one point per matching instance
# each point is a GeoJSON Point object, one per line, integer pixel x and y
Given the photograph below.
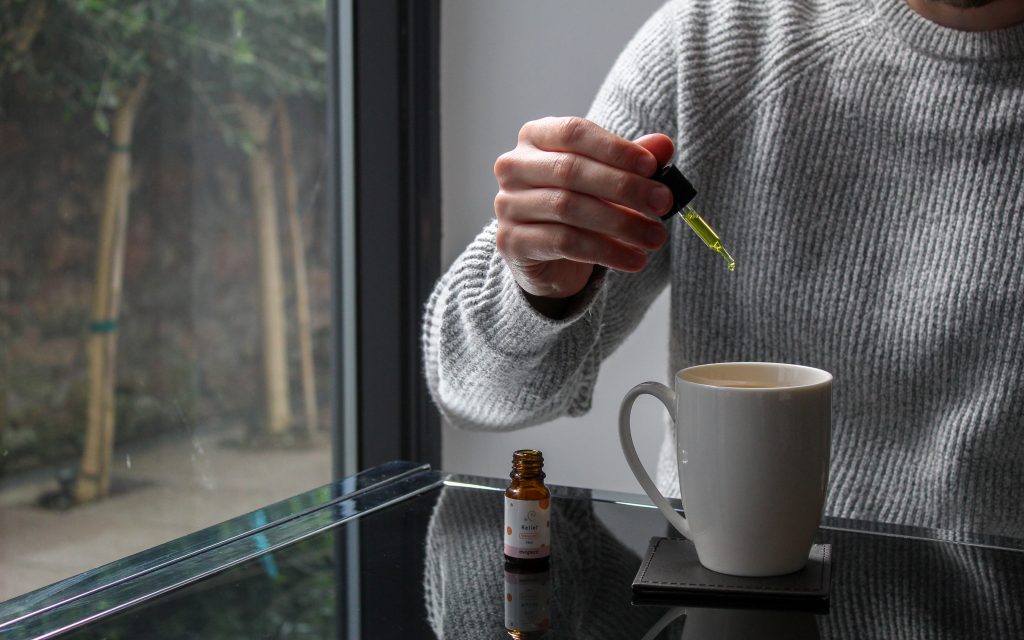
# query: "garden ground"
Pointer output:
{"type": "Point", "coordinates": [163, 490]}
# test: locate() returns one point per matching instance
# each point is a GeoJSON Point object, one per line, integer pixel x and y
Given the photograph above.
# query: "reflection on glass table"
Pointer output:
{"type": "Point", "coordinates": [403, 551]}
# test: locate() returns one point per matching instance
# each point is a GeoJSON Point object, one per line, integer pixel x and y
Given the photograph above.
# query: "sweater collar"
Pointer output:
{"type": "Point", "coordinates": [924, 35]}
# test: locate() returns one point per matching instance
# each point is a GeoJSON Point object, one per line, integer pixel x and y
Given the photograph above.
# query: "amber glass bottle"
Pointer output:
{"type": "Point", "coordinates": [527, 511]}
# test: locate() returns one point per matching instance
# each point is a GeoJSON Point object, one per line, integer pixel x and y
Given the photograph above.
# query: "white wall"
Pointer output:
{"type": "Point", "coordinates": [504, 62]}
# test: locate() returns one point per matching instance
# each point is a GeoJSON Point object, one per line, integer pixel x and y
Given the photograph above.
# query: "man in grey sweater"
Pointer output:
{"type": "Point", "coordinates": [864, 160]}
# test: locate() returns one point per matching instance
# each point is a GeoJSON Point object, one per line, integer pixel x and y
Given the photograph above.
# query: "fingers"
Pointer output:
{"type": "Point", "coordinates": [578, 155]}
{"type": "Point", "coordinates": [581, 174]}
{"type": "Point", "coordinates": [660, 146]}
{"type": "Point", "coordinates": [583, 137]}
{"type": "Point", "coordinates": [530, 244]}
{"type": "Point", "coordinates": [579, 211]}
{"type": "Point", "coordinates": [573, 195]}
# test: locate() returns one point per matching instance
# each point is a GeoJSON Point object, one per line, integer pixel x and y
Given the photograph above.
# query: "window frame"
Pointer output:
{"type": "Point", "coordinates": [384, 130]}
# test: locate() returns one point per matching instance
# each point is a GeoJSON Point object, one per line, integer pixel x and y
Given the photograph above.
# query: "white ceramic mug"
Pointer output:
{"type": "Point", "coordinates": [753, 441]}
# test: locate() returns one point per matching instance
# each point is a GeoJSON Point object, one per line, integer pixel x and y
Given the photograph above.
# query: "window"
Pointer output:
{"type": "Point", "coordinates": [207, 282]}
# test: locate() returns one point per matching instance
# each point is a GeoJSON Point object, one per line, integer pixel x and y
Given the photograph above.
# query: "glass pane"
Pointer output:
{"type": "Point", "coordinates": [164, 272]}
{"type": "Point", "coordinates": [162, 570]}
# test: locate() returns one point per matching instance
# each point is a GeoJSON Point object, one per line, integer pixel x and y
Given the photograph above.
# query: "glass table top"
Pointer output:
{"type": "Point", "coordinates": [403, 551]}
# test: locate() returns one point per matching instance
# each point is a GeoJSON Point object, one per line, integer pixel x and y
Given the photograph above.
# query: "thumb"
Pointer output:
{"type": "Point", "coordinates": [659, 145]}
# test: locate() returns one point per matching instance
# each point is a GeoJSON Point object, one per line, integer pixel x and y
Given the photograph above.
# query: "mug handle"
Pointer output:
{"type": "Point", "coordinates": [667, 398]}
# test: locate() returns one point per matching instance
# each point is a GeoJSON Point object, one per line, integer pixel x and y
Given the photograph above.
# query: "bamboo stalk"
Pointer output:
{"type": "Point", "coordinates": [93, 479]}
{"type": "Point", "coordinates": [275, 362]}
{"type": "Point", "coordinates": [298, 245]}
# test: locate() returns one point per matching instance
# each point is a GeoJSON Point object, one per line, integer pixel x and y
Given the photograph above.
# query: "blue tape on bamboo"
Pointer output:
{"type": "Point", "coordinates": [103, 326]}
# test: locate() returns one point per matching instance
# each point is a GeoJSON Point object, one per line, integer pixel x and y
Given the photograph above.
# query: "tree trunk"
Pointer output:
{"type": "Point", "coordinates": [93, 480]}
{"type": "Point", "coordinates": [302, 315]}
{"type": "Point", "coordinates": [261, 179]}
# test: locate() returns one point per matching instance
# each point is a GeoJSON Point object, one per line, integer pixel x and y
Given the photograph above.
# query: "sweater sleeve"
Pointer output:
{"type": "Point", "coordinates": [492, 361]}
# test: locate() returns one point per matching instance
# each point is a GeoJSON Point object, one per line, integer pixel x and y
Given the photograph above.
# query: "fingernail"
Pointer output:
{"type": "Point", "coordinates": [660, 198]}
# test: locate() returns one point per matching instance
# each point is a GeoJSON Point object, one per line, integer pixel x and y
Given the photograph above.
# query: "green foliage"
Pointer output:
{"type": "Point", "coordinates": [255, 50]}
{"type": "Point", "coordinates": [69, 63]}
{"type": "Point", "coordinates": [20, 22]}
{"type": "Point", "coordinates": [88, 53]}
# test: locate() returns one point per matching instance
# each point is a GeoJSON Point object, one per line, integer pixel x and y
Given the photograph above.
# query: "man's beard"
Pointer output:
{"type": "Point", "coordinates": [963, 4]}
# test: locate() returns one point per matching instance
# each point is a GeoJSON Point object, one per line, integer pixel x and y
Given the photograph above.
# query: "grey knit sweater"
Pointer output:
{"type": "Point", "coordinates": [866, 168]}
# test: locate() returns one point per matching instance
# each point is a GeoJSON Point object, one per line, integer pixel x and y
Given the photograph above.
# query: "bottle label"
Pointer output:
{"type": "Point", "coordinates": [527, 601]}
{"type": "Point", "coordinates": [527, 528]}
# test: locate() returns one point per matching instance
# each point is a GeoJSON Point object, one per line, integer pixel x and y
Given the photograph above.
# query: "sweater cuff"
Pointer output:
{"type": "Point", "coordinates": [519, 317]}
{"type": "Point", "coordinates": [575, 305]}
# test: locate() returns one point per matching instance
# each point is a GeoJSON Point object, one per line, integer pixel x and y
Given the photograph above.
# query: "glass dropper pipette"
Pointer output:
{"type": "Point", "coordinates": [682, 193]}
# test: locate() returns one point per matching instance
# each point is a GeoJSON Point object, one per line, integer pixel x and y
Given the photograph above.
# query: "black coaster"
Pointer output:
{"type": "Point", "coordinates": [671, 573]}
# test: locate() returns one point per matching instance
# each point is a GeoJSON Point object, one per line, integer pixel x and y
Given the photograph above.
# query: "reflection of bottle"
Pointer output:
{"type": "Point", "coordinates": [527, 601]}
{"type": "Point", "coordinates": [527, 532]}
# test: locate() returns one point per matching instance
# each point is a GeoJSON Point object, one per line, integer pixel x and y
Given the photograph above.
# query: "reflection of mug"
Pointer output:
{"type": "Point", "coordinates": [738, 624]}
{"type": "Point", "coordinates": [753, 443]}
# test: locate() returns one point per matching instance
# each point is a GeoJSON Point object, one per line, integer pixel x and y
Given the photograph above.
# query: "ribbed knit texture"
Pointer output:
{"type": "Point", "coordinates": [866, 169]}
{"type": "Point", "coordinates": [589, 577]}
{"type": "Point", "coordinates": [883, 586]}
{"type": "Point", "coordinates": [894, 588]}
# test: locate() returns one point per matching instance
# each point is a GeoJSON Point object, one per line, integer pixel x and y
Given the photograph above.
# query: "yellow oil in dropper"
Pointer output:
{"type": "Point", "coordinates": [682, 193]}
{"type": "Point", "coordinates": [707, 234]}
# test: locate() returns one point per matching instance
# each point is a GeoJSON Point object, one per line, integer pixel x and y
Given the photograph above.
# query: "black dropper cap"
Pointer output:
{"type": "Point", "coordinates": [682, 191]}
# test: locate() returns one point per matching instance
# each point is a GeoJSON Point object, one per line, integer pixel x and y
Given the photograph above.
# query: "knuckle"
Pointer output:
{"type": "Point", "coordinates": [571, 129]}
{"type": "Point", "coordinates": [503, 165]}
{"type": "Point", "coordinates": [502, 241]}
{"type": "Point", "coordinates": [502, 202]}
{"type": "Point", "coordinates": [560, 204]}
{"type": "Point", "coordinates": [529, 130]}
{"type": "Point", "coordinates": [623, 187]}
{"type": "Point", "coordinates": [622, 156]}
{"type": "Point", "coordinates": [565, 167]}
{"type": "Point", "coordinates": [563, 242]}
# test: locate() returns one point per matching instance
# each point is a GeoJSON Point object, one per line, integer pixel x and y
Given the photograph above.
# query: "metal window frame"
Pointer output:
{"type": "Point", "coordinates": [384, 105]}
